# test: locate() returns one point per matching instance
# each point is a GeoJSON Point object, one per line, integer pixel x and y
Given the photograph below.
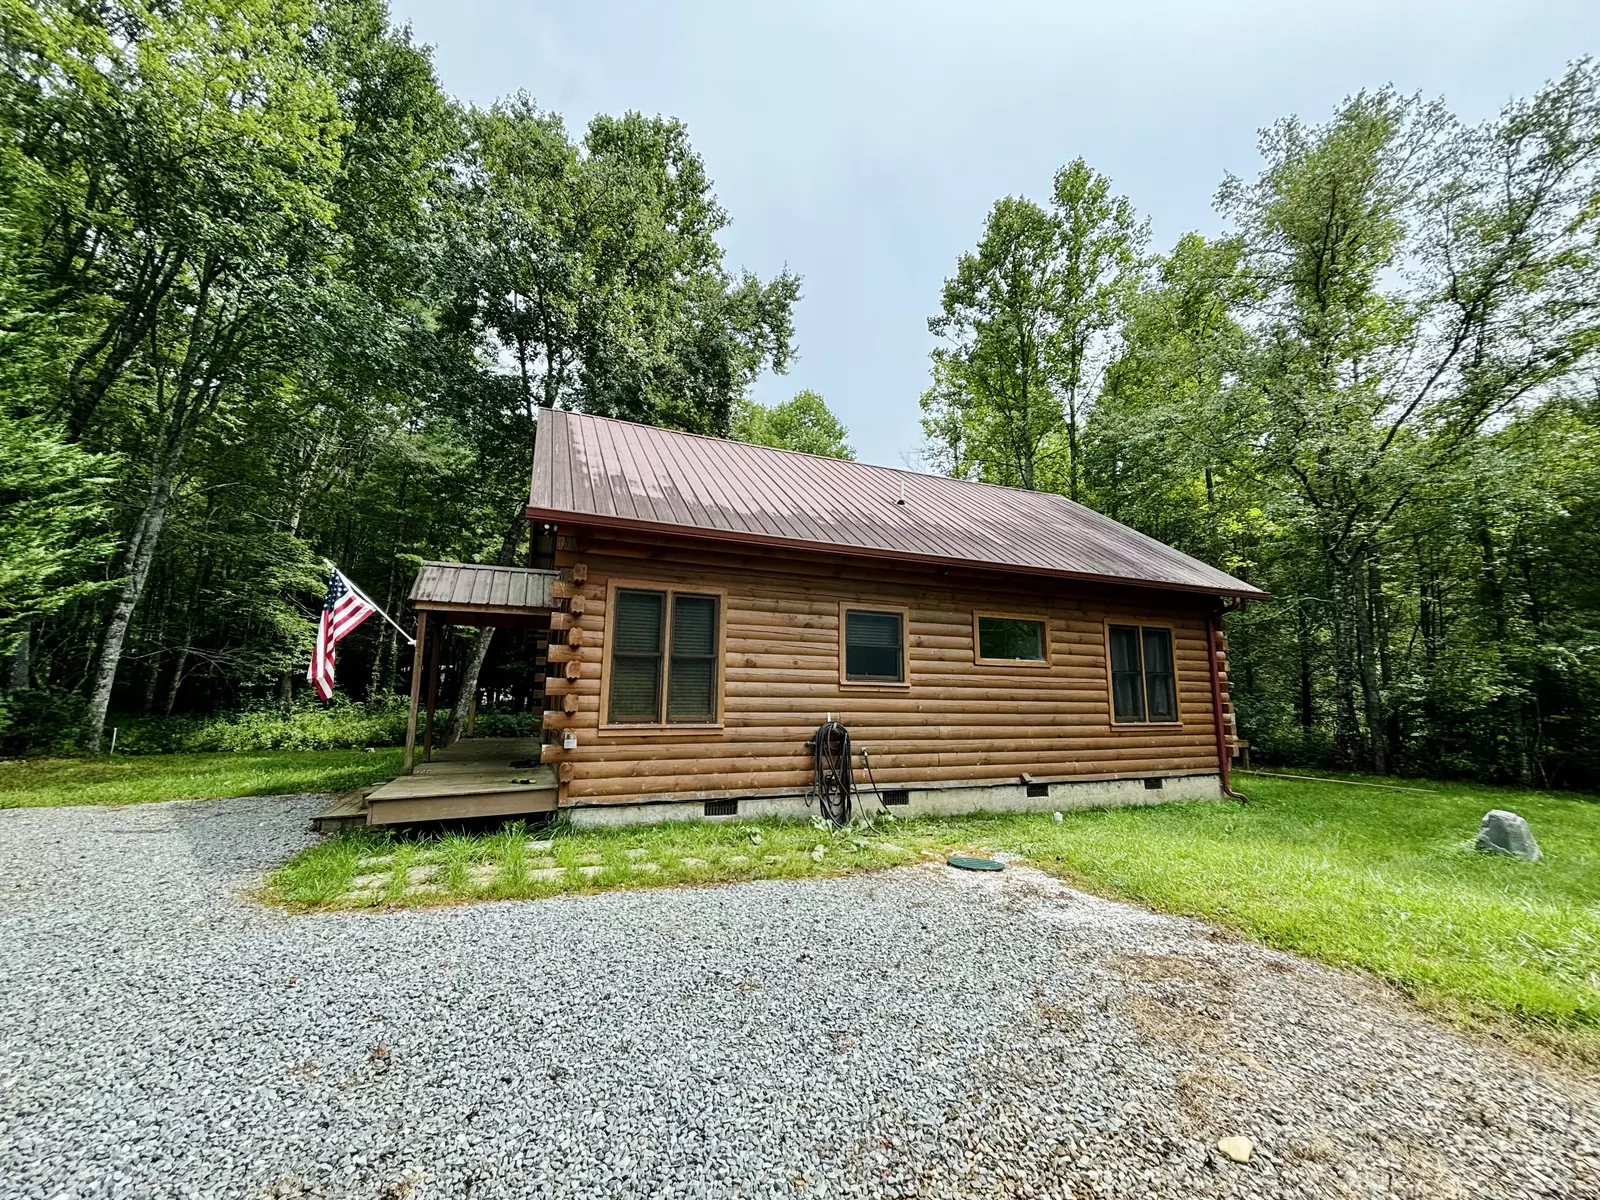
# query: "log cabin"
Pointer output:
{"type": "Point", "coordinates": [709, 605]}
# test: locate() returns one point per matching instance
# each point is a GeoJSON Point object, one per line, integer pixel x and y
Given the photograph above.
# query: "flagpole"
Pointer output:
{"type": "Point", "coordinates": [350, 583]}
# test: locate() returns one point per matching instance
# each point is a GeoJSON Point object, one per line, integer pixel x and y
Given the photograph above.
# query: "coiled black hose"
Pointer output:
{"type": "Point", "coordinates": [831, 782]}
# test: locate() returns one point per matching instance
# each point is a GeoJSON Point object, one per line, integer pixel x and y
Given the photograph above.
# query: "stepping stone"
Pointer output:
{"type": "Point", "coordinates": [590, 860]}
{"type": "Point", "coordinates": [543, 864]}
{"type": "Point", "coordinates": [415, 875]}
{"type": "Point", "coordinates": [362, 896]}
{"type": "Point", "coordinates": [374, 860]}
{"type": "Point", "coordinates": [544, 845]}
{"type": "Point", "coordinates": [636, 852]}
{"type": "Point", "coordinates": [591, 869]}
{"type": "Point", "coordinates": [891, 848]}
{"type": "Point", "coordinates": [483, 873]}
{"type": "Point", "coordinates": [738, 860]}
{"type": "Point", "coordinates": [546, 874]}
{"type": "Point", "coordinates": [373, 882]}
{"type": "Point", "coordinates": [769, 859]}
{"type": "Point", "coordinates": [427, 889]}
{"type": "Point", "coordinates": [693, 862]}
{"type": "Point", "coordinates": [649, 868]}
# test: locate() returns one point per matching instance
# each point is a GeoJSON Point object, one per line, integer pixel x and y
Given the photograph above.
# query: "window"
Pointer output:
{"type": "Point", "coordinates": [1144, 686]}
{"type": "Point", "coordinates": [874, 646]}
{"type": "Point", "coordinates": [1005, 639]}
{"type": "Point", "coordinates": [664, 645]}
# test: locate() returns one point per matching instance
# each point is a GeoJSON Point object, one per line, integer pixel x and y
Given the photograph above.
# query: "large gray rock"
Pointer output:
{"type": "Point", "coordinates": [1507, 833]}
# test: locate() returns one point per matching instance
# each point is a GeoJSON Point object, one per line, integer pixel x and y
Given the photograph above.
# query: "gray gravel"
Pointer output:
{"type": "Point", "coordinates": [915, 1032]}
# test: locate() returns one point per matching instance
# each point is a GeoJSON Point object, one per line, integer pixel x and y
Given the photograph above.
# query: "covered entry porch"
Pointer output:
{"type": "Point", "coordinates": [476, 777]}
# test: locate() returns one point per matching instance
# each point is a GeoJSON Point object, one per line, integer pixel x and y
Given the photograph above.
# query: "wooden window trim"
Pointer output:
{"type": "Point", "coordinates": [1033, 664]}
{"type": "Point", "coordinates": [1111, 698]}
{"type": "Point", "coordinates": [720, 684]}
{"type": "Point", "coordinates": [876, 685]}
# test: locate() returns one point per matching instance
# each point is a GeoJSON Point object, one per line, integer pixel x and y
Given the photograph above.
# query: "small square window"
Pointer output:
{"type": "Point", "coordinates": [874, 646]}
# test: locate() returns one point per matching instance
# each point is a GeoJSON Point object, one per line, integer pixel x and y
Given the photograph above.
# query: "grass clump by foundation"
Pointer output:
{"type": "Point", "coordinates": [143, 779]}
{"type": "Point", "coordinates": [1370, 878]}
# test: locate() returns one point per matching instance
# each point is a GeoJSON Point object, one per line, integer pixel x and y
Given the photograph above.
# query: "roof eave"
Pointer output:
{"type": "Point", "coordinates": [558, 516]}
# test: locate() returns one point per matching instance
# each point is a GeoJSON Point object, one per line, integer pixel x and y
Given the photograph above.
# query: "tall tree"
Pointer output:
{"type": "Point", "coordinates": [1028, 318]}
{"type": "Point", "coordinates": [803, 423]}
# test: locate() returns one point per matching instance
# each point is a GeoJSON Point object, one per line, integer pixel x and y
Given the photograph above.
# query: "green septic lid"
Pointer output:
{"type": "Point", "coordinates": [964, 863]}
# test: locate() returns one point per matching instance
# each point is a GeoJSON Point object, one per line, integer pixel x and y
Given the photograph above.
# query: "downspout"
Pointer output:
{"type": "Point", "coordinates": [1224, 759]}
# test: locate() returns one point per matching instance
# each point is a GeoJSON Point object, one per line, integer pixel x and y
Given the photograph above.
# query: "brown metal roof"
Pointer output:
{"type": "Point", "coordinates": [473, 587]}
{"type": "Point", "coordinates": [595, 471]}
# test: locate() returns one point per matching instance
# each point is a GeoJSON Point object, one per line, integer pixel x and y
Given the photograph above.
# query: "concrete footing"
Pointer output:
{"type": "Point", "coordinates": [931, 799]}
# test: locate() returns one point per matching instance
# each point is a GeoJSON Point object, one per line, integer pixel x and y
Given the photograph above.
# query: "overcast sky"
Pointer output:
{"type": "Point", "coordinates": [862, 143]}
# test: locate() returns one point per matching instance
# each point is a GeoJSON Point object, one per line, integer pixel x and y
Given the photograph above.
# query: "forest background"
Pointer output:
{"type": "Point", "coordinates": [269, 296]}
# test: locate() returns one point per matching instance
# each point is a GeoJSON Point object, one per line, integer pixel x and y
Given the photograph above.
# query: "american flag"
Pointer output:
{"type": "Point", "coordinates": [342, 610]}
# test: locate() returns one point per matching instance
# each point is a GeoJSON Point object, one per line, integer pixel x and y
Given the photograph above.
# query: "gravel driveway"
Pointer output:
{"type": "Point", "coordinates": [914, 1032]}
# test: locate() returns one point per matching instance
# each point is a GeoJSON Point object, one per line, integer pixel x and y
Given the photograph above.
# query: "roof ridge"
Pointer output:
{"type": "Point", "coordinates": [847, 462]}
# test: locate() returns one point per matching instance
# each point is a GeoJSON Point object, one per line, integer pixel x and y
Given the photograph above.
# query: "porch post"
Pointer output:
{"type": "Point", "coordinates": [416, 692]}
{"type": "Point", "coordinates": [433, 693]}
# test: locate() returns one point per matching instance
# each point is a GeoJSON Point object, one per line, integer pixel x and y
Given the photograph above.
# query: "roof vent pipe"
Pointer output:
{"type": "Point", "coordinates": [902, 501]}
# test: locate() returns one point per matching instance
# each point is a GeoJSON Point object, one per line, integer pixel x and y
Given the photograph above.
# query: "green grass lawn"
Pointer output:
{"type": "Point", "coordinates": [140, 779]}
{"type": "Point", "coordinates": [1379, 880]}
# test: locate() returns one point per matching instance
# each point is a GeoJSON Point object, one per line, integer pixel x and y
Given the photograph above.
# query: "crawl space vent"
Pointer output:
{"type": "Point", "coordinates": [1152, 785]}
{"type": "Point", "coordinates": [1035, 790]}
{"type": "Point", "coordinates": [722, 808]}
{"type": "Point", "coordinates": [898, 796]}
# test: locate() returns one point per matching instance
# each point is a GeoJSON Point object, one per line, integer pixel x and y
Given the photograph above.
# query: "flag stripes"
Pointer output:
{"type": "Point", "coordinates": [343, 609]}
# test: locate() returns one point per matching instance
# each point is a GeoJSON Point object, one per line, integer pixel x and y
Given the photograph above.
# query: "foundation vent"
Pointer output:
{"type": "Point", "coordinates": [1035, 790]}
{"type": "Point", "coordinates": [896, 796]}
{"type": "Point", "coordinates": [1152, 785]}
{"type": "Point", "coordinates": [722, 808]}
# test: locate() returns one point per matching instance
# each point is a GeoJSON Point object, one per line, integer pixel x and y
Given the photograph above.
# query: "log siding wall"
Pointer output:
{"type": "Point", "coordinates": [958, 721]}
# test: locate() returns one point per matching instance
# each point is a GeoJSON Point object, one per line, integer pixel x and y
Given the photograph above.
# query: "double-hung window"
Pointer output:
{"type": "Point", "coordinates": [1144, 686]}
{"type": "Point", "coordinates": [664, 652]}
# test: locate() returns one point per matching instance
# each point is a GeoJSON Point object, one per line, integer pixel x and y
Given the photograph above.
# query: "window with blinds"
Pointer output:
{"type": "Point", "coordinates": [663, 657]}
{"type": "Point", "coordinates": [874, 646]}
{"type": "Point", "coordinates": [1144, 685]}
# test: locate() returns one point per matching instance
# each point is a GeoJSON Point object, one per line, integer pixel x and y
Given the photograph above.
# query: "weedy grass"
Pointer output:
{"type": "Point", "coordinates": [143, 779]}
{"type": "Point", "coordinates": [1361, 877]}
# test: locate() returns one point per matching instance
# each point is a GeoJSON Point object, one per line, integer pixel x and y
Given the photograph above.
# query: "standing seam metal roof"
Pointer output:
{"type": "Point", "coordinates": [481, 586]}
{"type": "Point", "coordinates": [598, 471]}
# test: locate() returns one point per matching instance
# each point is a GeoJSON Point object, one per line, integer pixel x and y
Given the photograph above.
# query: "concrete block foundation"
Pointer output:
{"type": "Point", "coordinates": [930, 799]}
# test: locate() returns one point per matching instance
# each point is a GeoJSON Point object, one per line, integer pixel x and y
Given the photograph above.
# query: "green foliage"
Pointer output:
{"type": "Point", "coordinates": [1025, 319]}
{"type": "Point", "coordinates": [267, 296]}
{"type": "Point", "coordinates": [1371, 397]}
{"type": "Point", "coordinates": [804, 423]}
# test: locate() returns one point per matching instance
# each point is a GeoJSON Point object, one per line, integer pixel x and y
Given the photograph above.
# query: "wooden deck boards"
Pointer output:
{"type": "Point", "coordinates": [473, 778]}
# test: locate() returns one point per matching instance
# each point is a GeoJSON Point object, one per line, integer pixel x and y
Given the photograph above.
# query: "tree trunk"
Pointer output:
{"type": "Point", "coordinates": [136, 562]}
{"type": "Point", "coordinates": [1494, 595]}
{"type": "Point", "coordinates": [20, 667]}
{"type": "Point", "coordinates": [1367, 665]}
{"type": "Point", "coordinates": [468, 688]}
{"type": "Point", "coordinates": [1307, 698]}
{"type": "Point", "coordinates": [1346, 727]}
{"type": "Point", "coordinates": [469, 677]}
